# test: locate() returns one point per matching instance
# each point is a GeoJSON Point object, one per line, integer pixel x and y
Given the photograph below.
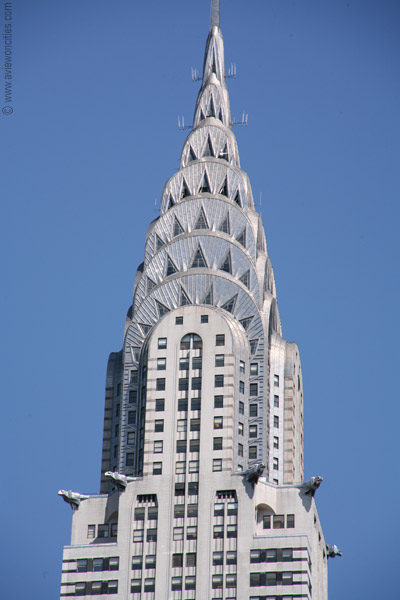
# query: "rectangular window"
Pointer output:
{"type": "Point", "coordinates": [217, 445]}
{"type": "Point", "coordinates": [271, 555]}
{"type": "Point", "coordinates": [194, 424]}
{"type": "Point", "coordinates": [133, 396]}
{"type": "Point", "coordinates": [217, 464]}
{"type": "Point", "coordinates": [81, 565]}
{"type": "Point", "coordinates": [254, 369]}
{"type": "Point", "coordinates": [98, 564]}
{"type": "Point", "coordinates": [177, 560]}
{"type": "Point", "coordinates": [178, 320]}
{"type": "Point", "coordinates": [276, 380]}
{"type": "Point", "coordinates": [230, 580]}
{"type": "Point", "coordinates": [160, 384]}
{"type": "Point", "coordinates": [287, 578]}
{"type": "Point", "coordinates": [195, 404]}
{"type": "Point", "coordinates": [231, 558]}
{"type": "Point", "coordinates": [180, 467]}
{"type": "Point", "coordinates": [241, 387]}
{"type": "Point", "coordinates": [91, 532]}
{"type": "Point", "coordinates": [252, 452]}
{"type": "Point", "coordinates": [158, 447]}
{"type": "Point", "coordinates": [218, 401]}
{"type": "Point", "coordinates": [130, 438]}
{"type": "Point", "coordinates": [240, 449]}
{"type": "Point", "coordinates": [162, 343]}
{"type": "Point", "coordinates": [279, 521]}
{"type": "Point", "coordinates": [113, 563]}
{"type": "Point", "coordinates": [183, 384]}
{"type": "Point", "coordinates": [219, 381]}
{"type": "Point", "coordinates": [267, 522]}
{"type": "Point", "coordinates": [80, 589]}
{"type": "Point", "coordinates": [193, 487]}
{"type": "Point", "coordinates": [196, 383]}
{"type": "Point", "coordinates": [241, 408]}
{"type": "Point", "coordinates": [196, 363]}
{"type": "Point", "coordinates": [193, 466]}
{"type": "Point", "coordinates": [276, 421]}
{"type": "Point", "coordinates": [129, 460]}
{"type": "Point", "coordinates": [253, 389]}
{"type": "Point", "coordinates": [219, 360]}
{"type": "Point", "coordinates": [138, 535]}
{"type": "Point", "coordinates": [276, 463]}
{"type": "Point", "coordinates": [240, 429]}
{"type": "Point", "coordinates": [132, 417]}
{"type": "Point", "coordinates": [117, 410]}
{"type": "Point", "coordinates": [137, 562]}
{"type": "Point", "coordinates": [287, 554]}
{"type": "Point", "coordinates": [150, 561]}
{"type": "Point", "coordinates": [114, 529]}
{"type": "Point", "coordinates": [182, 404]}
{"type": "Point", "coordinates": [161, 364]}
{"type": "Point", "coordinates": [220, 340]}
{"type": "Point", "coordinates": [116, 432]}
{"type": "Point", "coordinates": [151, 535]}
{"type": "Point", "coordinates": [179, 511]}
{"type": "Point", "coordinates": [276, 401]}
{"type": "Point", "coordinates": [290, 521]}
{"type": "Point", "coordinates": [139, 514]}
{"type": "Point", "coordinates": [217, 582]}
{"type": "Point", "coordinates": [255, 579]}
{"type": "Point", "coordinates": [181, 425]}
{"type": "Point", "coordinates": [191, 559]}
{"type": "Point", "coordinates": [190, 582]}
{"type": "Point", "coordinates": [252, 431]}
{"type": "Point", "coordinates": [159, 425]}
{"type": "Point", "coordinates": [219, 508]}
{"type": "Point", "coordinates": [194, 445]}
{"type": "Point", "coordinates": [231, 531]}
{"type": "Point", "coordinates": [160, 404]}
{"type": "Point", "coordinates": [176, 582]}
{"type": "Point", "coordinates": [204, 319]}
{"type": "Point", "coordinates": [178, 533]}
{"type": "Point", "coordinates": [136, 586]}
{"type": "Point", "coordinates": [184, 364]}
{"type": "Point", "coordinates": [218, 422]}
{"type": "Point", "coordinates": [276, 442]}
{"type": "Point", "coordinates": [192, 510]}
{"type": "Point", "coordinates": [149, 584]}
{"type": "Point", "coordinates": [253, 410]}
{"type": "Point", "coordinates": [179, 489]}
{"type": "Point", "coordinates": [255, 556]}
{"type": "Point", "coordinates": [232, 508]}
{"type": "Point", "coordinates": [241, 366]}
{"type": "Point", "coordinates": [157, 468]}
{"type": "Point", "coordinates": [271, 578]}
{"type": "Point", "coordinates": [191, 533]}
{"type": "Point", "coordinates": [218, 558]}
{"type": "Point", "coordinates": [134, 376]}
{"type": "Point", "coordinates": [180, 446]}
{"type": "Point", "coordinates": [218, 531]}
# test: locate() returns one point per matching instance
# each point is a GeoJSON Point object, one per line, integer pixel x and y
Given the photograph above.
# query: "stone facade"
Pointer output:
{"type": "Point", "coordinates": [204, 391]}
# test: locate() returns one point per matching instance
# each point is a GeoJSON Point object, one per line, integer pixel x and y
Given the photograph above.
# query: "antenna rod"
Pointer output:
{"type": "Point", "coordinates": [214, 15]}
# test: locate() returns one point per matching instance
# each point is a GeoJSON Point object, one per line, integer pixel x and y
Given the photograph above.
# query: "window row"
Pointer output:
{"type": "Point", "coordinates": [103, 531]}
{"type": "Point", "coordinates": [95, 588]}
{"type": "Point", "coordinates": [151, 535]}
{"type": "Point", "coordinates": [231, 531]}
{"type": "Point", "coordinates": [271, 555]}
{"type": "Point", "coordinates": [192, 488]}
{"type": "Point", "coordinates": [230, 558]}
{"type": "Point", "coordinates": [191, 510]}
{"type": "Point", "coordinates": [140, 513]}
{"type": "Point", "coordinates": [191, 533]}
{"type": "Point", "coordinates": [84, 565]}
{"type": "Point", "coordinates": [271, 578]}
{"type": "Point", "coordinates": [149, 562]}
{"type": "Point", "coordinates": [195, 404]}
{"type": "Point", "coordinates": [278, 521]}
{"type": "Point", "coordinates": [181, 446]}
{"type": "Point", "coordinates": [177, 582]}
{"type": "Point", "coordinates": [184, 363]}
{"type": "Point", "coordinates": [149, 585]}
{"type": "Point", "coordinates": [231, 508]}
{"type": "Point", "coordinates": [218, 581]}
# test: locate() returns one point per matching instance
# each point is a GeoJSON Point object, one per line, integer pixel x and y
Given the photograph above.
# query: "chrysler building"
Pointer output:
{"type": "Point", "coordinates": [202, 492]}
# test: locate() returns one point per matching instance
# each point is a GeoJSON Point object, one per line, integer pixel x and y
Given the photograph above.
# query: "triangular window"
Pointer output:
{"type": "Point", "coordinates": [159, 243]}
{"type": "Point", "coordinates": [171, 202]}
{"type": "Point", "coordinates": [178, 229]}
{"type": "Point", "coordinates": [209, 299]}
{"type": "Point", "coordinates": [162, 309]}
{"type": "Point", "coordinates": [201, 222]}
{"type": "Point", "coordinates": [225, 226]}
{"type": "Point", "coordinates": [185, 190]}
{"type": "Point", "coordinates": [211, 109]}
{"type": "Point", "coordinates": [245, 279]}
{"type": "Point", "coordinates": [202, 117]}
{"type": "Point", "coordinates": [253, 346]}
{"type": "Point", "coordinates": [237, 198]}
{"type": "Point", "coordinates": [192, 155]}
{"type": "Point", "coordinates": [220, 115]}
{"type": "Point", "coordinates": [145, 328]}
{"type": "Point", "coordinates": [213, 69]}
{"type": "Point", "coordinates": [184, 298]}
{"type": "Point", "coordinates": [242, 238]}
{"type": "Point", "coordinates": [204, 185]}
{"type": "Point", "coordinates": [230, 305]}
{"type": "Point", "coordinates": [171, 268]}
{"type": "Point", "coordinates": [208, 150]}
{"type": "Point", "coordinates": [227, 264]}
{"type": "Point", "coordinates": [150, 285]}
{"type": "Point", "coordinates": [245, 324]}
{"type": "Point", "coordinates": [224, 153]}
{"type": "Point", "coordinates": [224, 188]}
{"type": "Point", "coordinates": [199, 260]}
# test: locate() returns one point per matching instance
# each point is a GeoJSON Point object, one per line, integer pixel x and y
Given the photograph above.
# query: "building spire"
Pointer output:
{"type": "Point", "coordinates": [214, 14]}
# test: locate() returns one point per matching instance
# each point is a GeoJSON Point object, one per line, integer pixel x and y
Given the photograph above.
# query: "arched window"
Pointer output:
{"type": "Point", "coordinates": [191, 341]}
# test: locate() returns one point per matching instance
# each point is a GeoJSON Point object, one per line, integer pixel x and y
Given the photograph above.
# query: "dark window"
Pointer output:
{"type": "Point", "coordinates": [231, 531]}
{"type": "Point", "coordinates": [217, 582]}
{"type": "Point", "coordinates": [271, 578]}
{"type": "Point", "coordinates": [81, 565]}
{"type": "Point", "coordinates": [196, 383]}
{"type": "Point", "coordinates": [231, 580]}
{"type": "Point", "coordinates": [151, 535]}
{"type": "Point", "coordinates": [139, 514]}
{"type": "Point", "coordinates": [180, 446]}
{"type": "Point", "coordinates": [160, 385]}
{"type": "Point", "coordinates": [287, 554]}
{"type": "Point", "coordinates": [256, 579]}
{"type": "Point", "coordinates": [178, 320]}
{"type": "Point", "coordinates": [218, 401]}
{"type": "Point", "coordinates": [137, 562]}
{"type": "Point", "coordinates": [183, 384]}
{"type": "Point", "coordinates": [194, 445]}
{"type": "Point", "coordinates": [279, 521]}
{"type": "Point", "coordinates": [160, 403]}
{"type": "Point", "coordinates": [152, 513]}
{"type": "Point", "coordinates": [192, 510]}
{"type": "Point", "coordinates": [190, 582]}
{"type": "Point", "coordinates": [240, 449]}
{"type": "Point", "coordinates": [218, 422]}
{"type": "Point", "coordinates": [159, 425]}
{"type": "Point", "coordinates": [161, 364]}
{"type": "Point", "coordinates": [150, 561]}
{"type": "Point", "coordinates": [231, 558]}
{"type": "Point", "coordinates": [218, 558]}
{"type": "Point", "coordinates": [290, 521]}
{"type": "Point", "coordinates": [204, 319]}
{"type": "Point", "coordinates": [276, 401]}
{"type": "Point", "coordinates": [191, 533]}
{"type": "Point", "coordinates": [176, 583]}
{"type": "Point", "coordinates": [179, 511]}
{"type": "Point", "coordinates": [184, 363]}
{"type": "Point", "coordinates": [133, 396]}
{"type": "Point", "coordinates": [132, 417]}
{"type": "Point", "coordinates": [241, 408]}
{"type": "Point", "coordinates": [219, 360]}
{"type": "Point", "coordinates": [276, 421]}
{"type": "Point", "coordinates": [220, 340]}
{"type": "Point", "coordinates": [276, 380]}
{"type": "Point", "coordinates": [252, 431]}
{"type": "Point", "coordinates": [177, 560]}
{"type": "Point", "coordinates": [241, 387]}
{"type": "Point", "coordinates": [219, 381]}
{"type": "Point", "coordinates": [162, 343]}
{"type": "Point", "coordinates": [252, 452]}
{"type": "Point", "coordinates": [195, 404]}
{"type": "Point", "coordinates": [266, 521]}
{"type": "Point", "coordinates": [157, 468]}
{"type": "Point", "coordinates": [271, 555]}
{"type": "Point", "coordinates": [253, 389]}
{"type": "Point", "coordinates": [129, 459]}
{"type": "Point", "coordinates": [191, 559]}
{"type": "Point", "coordinates": [182, 404]}
{"type": "Point", "coordinates": [253, 410]}
{"type": "Point", "coordinates": [136, 586]}
{"type": "Point", "coordinates": [149, 584]}
{"type": "Point", "coordinates": [217, 443]}
{"type": "Point", "coordinates": [193, 488]}
{"type": "Point", "coordinates": [196, 362]}
{"type": "Point", "coordinates": [194, 424]}
{"type": "Point", "coordinates": [276, 442]}
{"type": "Point", "coordinates": [218, 531]}
{"type": "Point", "coordinates": [276, 463]}
{"type": "Point", "coordinates": [255, 556]}
{"type": "Point", "coordinates": [287, 578]}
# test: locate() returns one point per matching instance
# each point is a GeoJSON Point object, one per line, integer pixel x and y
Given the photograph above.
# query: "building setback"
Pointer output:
{"type": "Point", "coordinates": [202, 494]}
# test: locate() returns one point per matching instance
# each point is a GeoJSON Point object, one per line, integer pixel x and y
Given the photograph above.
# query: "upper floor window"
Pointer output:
{"type": "Point", "coordinates": [218, 422]}
{"type": "Point", "coordinates": [161, 364]}
{"type": "Point", "coordinates": [276, 380]}
{"type": "Point", "coordinates": [254, 369]}
{"type": "Point", "coordinates": [191, 341]}
{"type": "Point", "coordinates": [219, 360]}
{"type": "Point", "coordinates": [162, 343]}
{"type": "Point", "coordinates": [220, 340]}
{"type": "Point", "coordinates": [219, 381]}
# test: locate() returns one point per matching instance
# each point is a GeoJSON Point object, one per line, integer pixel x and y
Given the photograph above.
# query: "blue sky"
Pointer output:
{"type": "Point", "coordinates": [97, 88]}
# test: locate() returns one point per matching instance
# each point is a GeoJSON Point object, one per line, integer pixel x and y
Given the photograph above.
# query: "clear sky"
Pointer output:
{"type": "Point", "coordinates": [97, 87]}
